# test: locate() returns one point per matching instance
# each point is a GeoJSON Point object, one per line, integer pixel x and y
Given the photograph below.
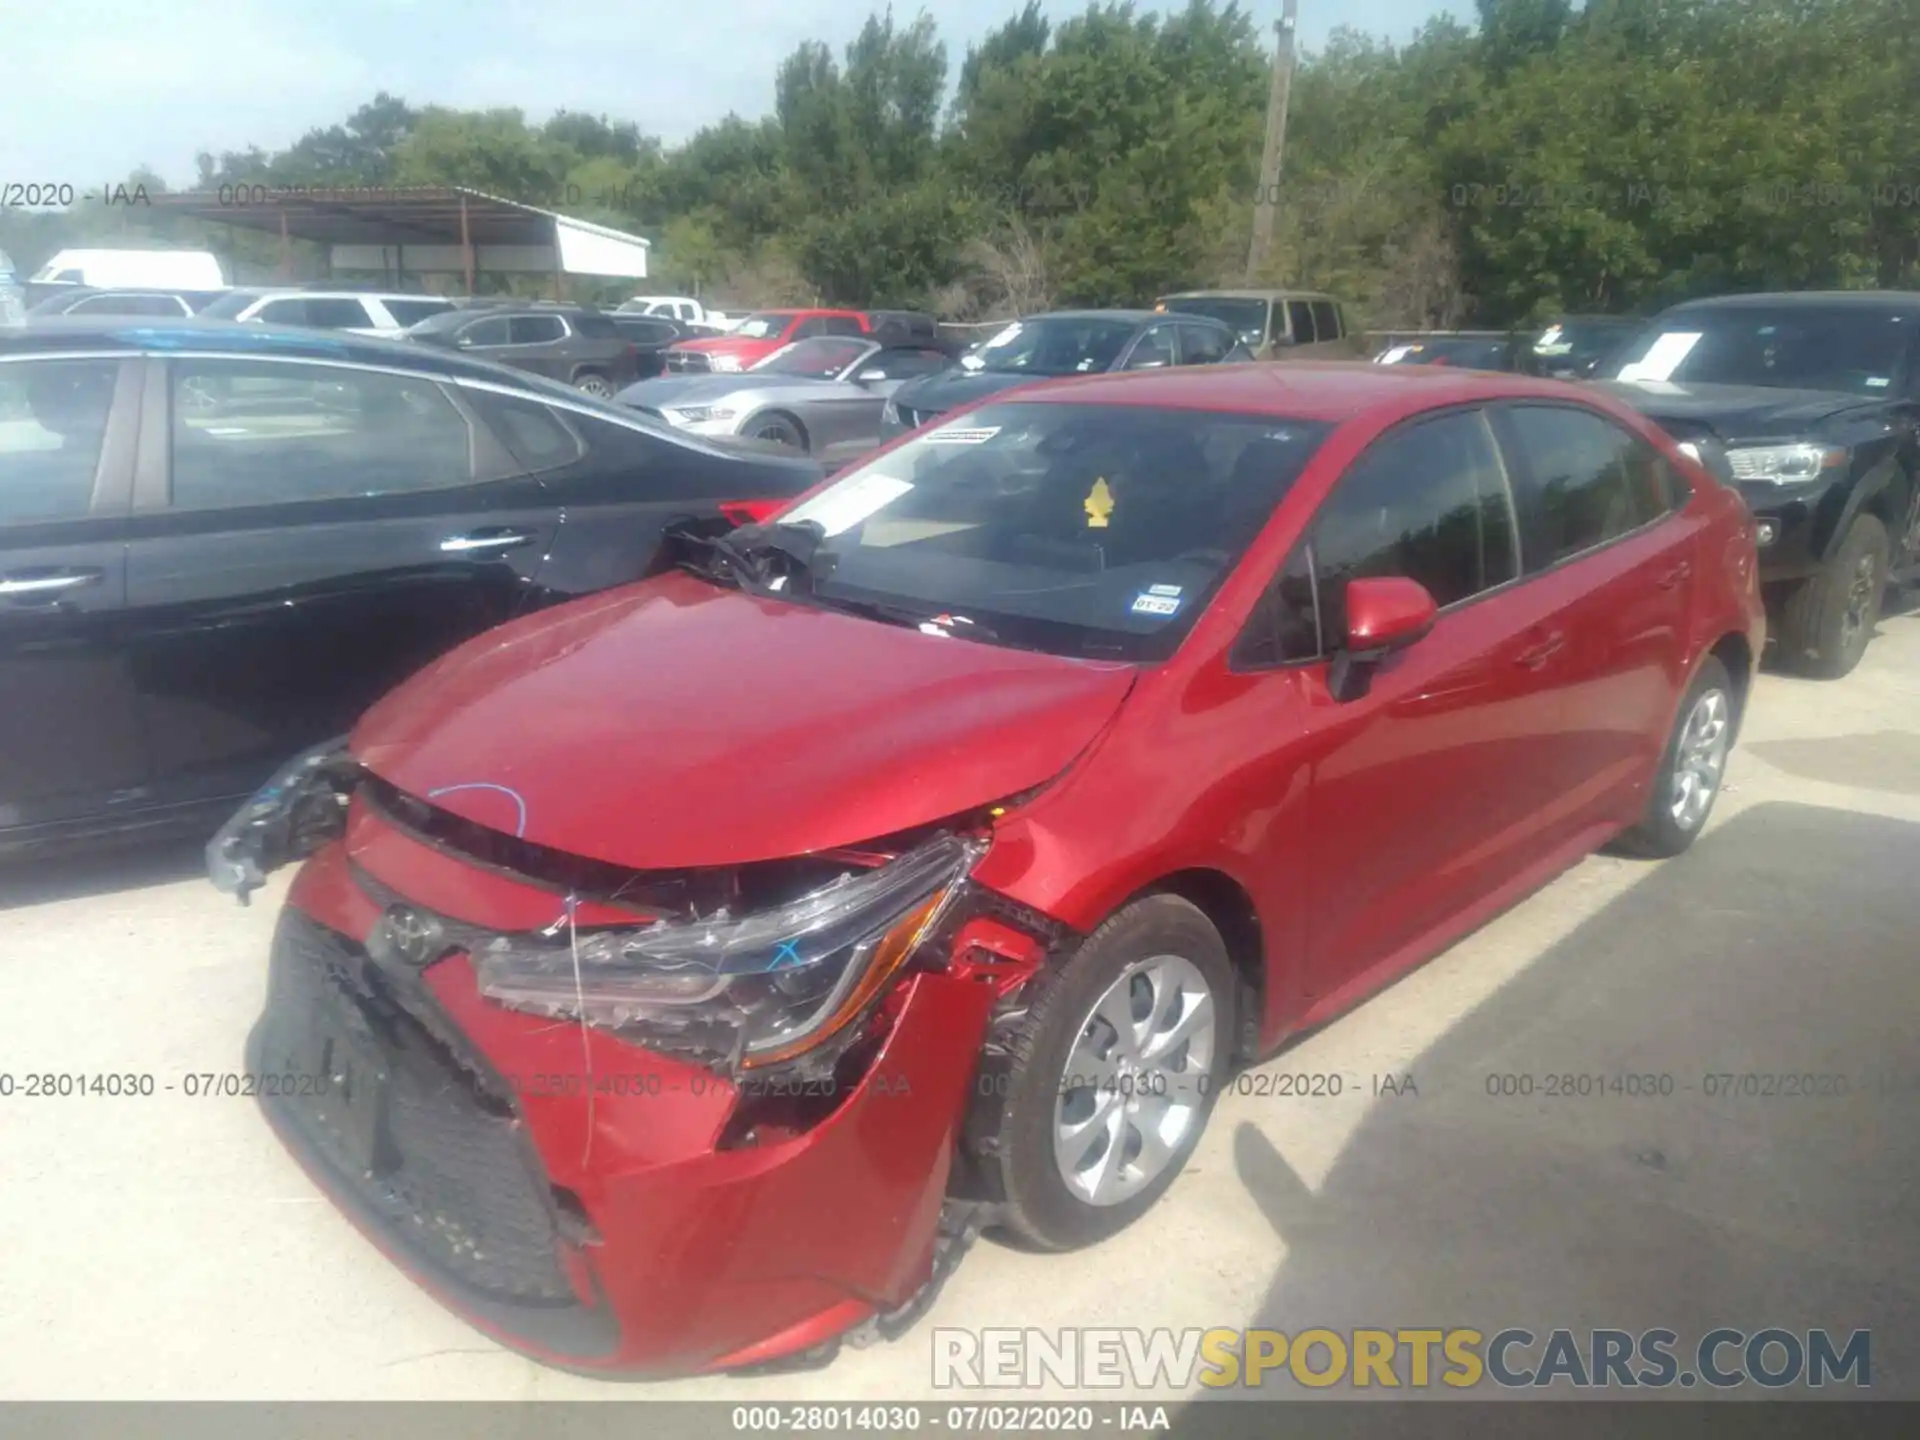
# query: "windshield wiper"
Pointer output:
{"type": "Point", "coordinates": [914, 617]}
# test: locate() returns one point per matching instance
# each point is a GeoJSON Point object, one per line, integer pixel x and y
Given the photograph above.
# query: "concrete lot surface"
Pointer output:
{"type": "Point", "coordinates": [166, 1247]}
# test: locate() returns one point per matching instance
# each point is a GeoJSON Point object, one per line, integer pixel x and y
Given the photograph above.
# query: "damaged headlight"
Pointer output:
{"type": "Point", "coordinates": [296, 812]}
{"type": "Point", "coordinates": [758, 989]}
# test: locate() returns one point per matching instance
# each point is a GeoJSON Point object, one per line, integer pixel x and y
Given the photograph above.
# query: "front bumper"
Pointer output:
{"type": "Point", "coordinates": [573, 1195]}
{"type": "Point", "coordinates": [1795, 528]}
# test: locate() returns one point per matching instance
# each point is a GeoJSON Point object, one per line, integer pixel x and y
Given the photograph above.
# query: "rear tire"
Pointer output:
{"type": "Point", "coordinates": [595, 384]}
{"type": "Point", "coordinates": [1827, 621]}
{"type": "Point", "coordinates": [1113, 1073]}
{"type": "Point", "coordinates": [1692, 769]}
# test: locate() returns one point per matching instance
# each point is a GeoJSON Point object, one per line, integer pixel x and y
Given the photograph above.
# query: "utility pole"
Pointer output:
{"type": "Point", "coordinates": [1266, 201]}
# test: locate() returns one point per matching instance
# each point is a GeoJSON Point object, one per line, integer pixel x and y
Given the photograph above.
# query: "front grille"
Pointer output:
{"type": "Point", "coordinates": [434, 1150]}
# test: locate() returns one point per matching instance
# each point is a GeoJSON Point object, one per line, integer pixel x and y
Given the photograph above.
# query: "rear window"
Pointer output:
{"type": "Point", "coordinates": [1245, 317]}
{"type": "Point", "coordinates": [598, 327]}
{"type": "Point", "coordinates": [1300, 317]}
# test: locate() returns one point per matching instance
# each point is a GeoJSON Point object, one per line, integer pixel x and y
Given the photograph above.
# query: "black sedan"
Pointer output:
{"type": "Point", "coordinates": [87, 300]}
{"type": "Point", "coordinates": [1066, 342]}
{"type": "Point", "coordinates": [219, 543]}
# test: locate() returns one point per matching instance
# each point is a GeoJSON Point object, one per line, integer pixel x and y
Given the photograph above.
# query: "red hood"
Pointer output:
{"type": "Point", "coordinates": [675, 723]}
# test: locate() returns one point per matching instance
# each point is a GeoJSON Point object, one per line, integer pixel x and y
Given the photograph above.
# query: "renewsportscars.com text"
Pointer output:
{"type": "Point", "coordinates": [1402, 1359]}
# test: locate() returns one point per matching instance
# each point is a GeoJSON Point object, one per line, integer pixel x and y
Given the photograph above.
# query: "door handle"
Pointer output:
{"type": "Point", "coordinates": [481, 540]}
{"type": "Point", "coordinates": [1534, 656]}
{"type": "Point", "coordinates": [23, 585]}
{"type": "Point", "coordinates": [1676, 575]}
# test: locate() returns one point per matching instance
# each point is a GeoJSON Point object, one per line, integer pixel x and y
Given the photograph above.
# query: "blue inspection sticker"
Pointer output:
{"type": "Point", "coordinates": [1148, 603]}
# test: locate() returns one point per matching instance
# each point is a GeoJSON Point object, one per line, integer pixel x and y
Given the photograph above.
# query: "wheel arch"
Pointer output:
{"type": "Point", "coordinates": [779, 412]}
{"type": "Point", "coordinates": [1230, 909]}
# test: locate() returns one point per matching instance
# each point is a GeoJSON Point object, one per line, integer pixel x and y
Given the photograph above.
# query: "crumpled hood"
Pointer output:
{"type": "Point", "coordinates": [936, 394]}
{"type": "Point", "coordinates": [675, 723]}
{"type": "Point", "coordinates": [1736, 412]}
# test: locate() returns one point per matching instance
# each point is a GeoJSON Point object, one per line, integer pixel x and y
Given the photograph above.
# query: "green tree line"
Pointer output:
{"type": "Point", "coordinates": [1551, 157]}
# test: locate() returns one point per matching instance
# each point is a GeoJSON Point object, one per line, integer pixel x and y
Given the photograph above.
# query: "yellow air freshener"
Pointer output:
{"type": "Point", "coordinates": [1099, 505]}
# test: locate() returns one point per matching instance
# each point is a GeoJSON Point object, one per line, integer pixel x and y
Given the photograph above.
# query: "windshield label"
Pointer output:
{"type": "Point", "coordinates": [1147, 603]}
{"type": "Point", "coordinates": [839, 509]}
{"type": "Point", "coordinates": [1170, 590]}
{"type": "Point", "coordinates": [1663, 358]}
{"type": "Point", "coordinates": [960, 435]}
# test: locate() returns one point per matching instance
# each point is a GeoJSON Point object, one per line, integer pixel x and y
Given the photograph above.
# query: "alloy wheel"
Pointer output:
{"type": "Point", "coordinates": [594, 385]}
{"type": "Point", "coordinates": [1862, 593]}
{"type": "Point", "coordinates": [1700, 758]}
{"type": "Point", "coordinates": [1134, 1084]}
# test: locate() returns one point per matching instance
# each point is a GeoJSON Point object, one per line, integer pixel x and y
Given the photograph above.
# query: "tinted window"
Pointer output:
{"type": "Point", "coordinates": [412, 312]}
{"type": "Point", "coordinates": [1056, 345]}
{"type": "Point", "coordinates": [648, 332]}
{"type": "Point", "coordinates": [904, 364]}
{"type": "Point", "coordinates": [1851, 348]}
{"type": "Point", "coordinates": [1073, 529]}
{"type": "Point", "coordinates": [1153, 350]}
{"type": "Point", "coordinates": [485, 332]}
{"type": "Point", "coordinates": [281, 312]}
{"type": "Point", "coordinates": [1326, 321]}
{"type": "Point", "coordinates": [129, 305]}
{"type": "Point", "coordinates": [597, 327]}
{"type": "Point", "coordinates": [1203, 345]}
{"type": "Point", "coordinates": [532, 433]}
{"type": "Point", "coordinates": [338, 315]}
{"type": "Point", "coordinates": [1247, 318]}
{"type": "Point", "coordinates": [258, 433]}
{"type": "Point", "coordinates": [1428, 502]}
{"type": "Point", "coordinates": [53, 420]}
{"type": "Point", "coordinates": [767, 325]}
{"type": "Point", "coordinates": [1300, 316]}
{"type": "Point", "coordinates": [840, 325]}
{"type": "Point", "coordinates": [1581, 480]}
{"type": "Point", "coordinates": [535, 329]}
{"type": "Point", "coordinates": [819, 359]}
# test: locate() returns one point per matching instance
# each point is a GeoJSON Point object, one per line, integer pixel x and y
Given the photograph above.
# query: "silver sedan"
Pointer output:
{"type": "Point", "coordinates": [823, 395]}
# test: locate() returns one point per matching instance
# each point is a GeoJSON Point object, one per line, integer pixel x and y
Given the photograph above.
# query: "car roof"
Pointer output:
{"type": "Point", "coordinates": [1334, 391]}
{"type": "Point", "coordinates": [56, 334]}
{"type": "Point", "coordinates": [1807, 299]}
{"type": "Point", "coordinates": [1249, 295]}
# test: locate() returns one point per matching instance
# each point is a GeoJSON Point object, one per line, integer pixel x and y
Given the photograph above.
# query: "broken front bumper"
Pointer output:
{"type": "Point", "coordinates": [589, 1202]}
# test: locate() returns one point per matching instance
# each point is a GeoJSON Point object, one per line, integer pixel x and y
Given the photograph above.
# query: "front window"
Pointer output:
{"type": "Point", "coordinates": [1085, 530]}
{"type": "Point", "coordinates": [1802, 347]}
{"type": "Point", "coordinates": [823, 358]}
{"type": "Point", "coordinates": [768, 325]}
{"type": "Point", "coordinates": [1054, 345]}
{"type": "Point", "coordinates": [1246, 318]}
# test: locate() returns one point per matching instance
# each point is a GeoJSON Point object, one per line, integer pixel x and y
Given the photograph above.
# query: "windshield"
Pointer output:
{"type": "Point", "coordinates": [1086, 530]}
{"type": "Point", "coordinates": [769, 325]}
{"type": "Point", "coordinates": [1846, 348]}
{"type": "Point", "coordinates": [1248, 318]}
{"type": "Point", "coordinates": [1055, 345]}
{"type": "Point", "coordinates": [819, 359]}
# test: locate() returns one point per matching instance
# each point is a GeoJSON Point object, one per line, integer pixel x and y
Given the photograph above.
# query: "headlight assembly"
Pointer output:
{"type": "Point", "coordinates": [760, 989]}
{"type": "Point", "coordinates": [702, 414]}
{"type": "Point", "coordinates": [1784, 464]}
{"type": "Point", "coordinates": [296, 812]}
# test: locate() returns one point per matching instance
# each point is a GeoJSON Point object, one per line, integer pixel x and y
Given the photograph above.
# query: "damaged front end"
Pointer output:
{"type": "Point", "coordinates": [303, 807]}
{"type": "Point", "coordinates": [747, 992]}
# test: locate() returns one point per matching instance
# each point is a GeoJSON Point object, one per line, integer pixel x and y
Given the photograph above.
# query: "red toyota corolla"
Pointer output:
{"type": "Point", "coordinates": [677, 978]}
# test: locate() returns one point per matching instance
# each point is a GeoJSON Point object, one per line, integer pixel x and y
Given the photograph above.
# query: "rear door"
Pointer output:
{"type": "Point", "coordinates": [305, 536]}
{"type": "Point", "coordinates": [1610, 549]}
{"type": "Point", "coordinates": [538, 343]}
{"type": "Point", "coordinates": [70, 743]}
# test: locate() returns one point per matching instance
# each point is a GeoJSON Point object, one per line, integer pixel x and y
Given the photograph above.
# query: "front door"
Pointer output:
{"type": "Point", "coordinates": [307, 535]}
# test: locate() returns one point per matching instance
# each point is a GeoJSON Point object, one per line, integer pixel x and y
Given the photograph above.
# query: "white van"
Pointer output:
{"type": "Point", "coordinates": [136, 269]}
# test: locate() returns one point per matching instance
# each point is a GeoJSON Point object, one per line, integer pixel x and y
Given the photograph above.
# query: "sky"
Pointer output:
{"type": "Point", "coordinates": [90, 89]}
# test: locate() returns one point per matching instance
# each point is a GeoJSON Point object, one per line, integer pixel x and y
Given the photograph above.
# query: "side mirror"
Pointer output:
{"type": "Point", "coordinates": [1383, 615]}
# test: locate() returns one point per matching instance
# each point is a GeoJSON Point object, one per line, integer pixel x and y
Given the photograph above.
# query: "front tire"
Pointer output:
{"type": "Point", "coordinates": [594, 384]}
{"type": "Point", "coordinates": [1692, 768]}
{"type": "Point", "coordinates": [779, 430]}
{"type": "Point", "coordinates": [1113, 1073]}
{"type": "Point", "coordinates": [1827, 621]}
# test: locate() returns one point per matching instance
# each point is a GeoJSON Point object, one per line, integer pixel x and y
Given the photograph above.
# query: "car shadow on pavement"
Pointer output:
{"type": "Point", "coordinates": [74, 876]}
{"type": "Point", "coordinates": [1784, 945]}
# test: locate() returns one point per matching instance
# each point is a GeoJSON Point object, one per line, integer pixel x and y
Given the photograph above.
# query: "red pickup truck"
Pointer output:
{"type": "Point", "coordinates": [759, 335]}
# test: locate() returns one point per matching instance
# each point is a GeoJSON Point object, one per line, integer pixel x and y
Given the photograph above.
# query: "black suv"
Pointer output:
{"type": "Point", "coordinates": [650, 335]}
{"type": "Point", "coordinates": [1809, 404]}
{"type": "Point", "coordinates": [575, 344]}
